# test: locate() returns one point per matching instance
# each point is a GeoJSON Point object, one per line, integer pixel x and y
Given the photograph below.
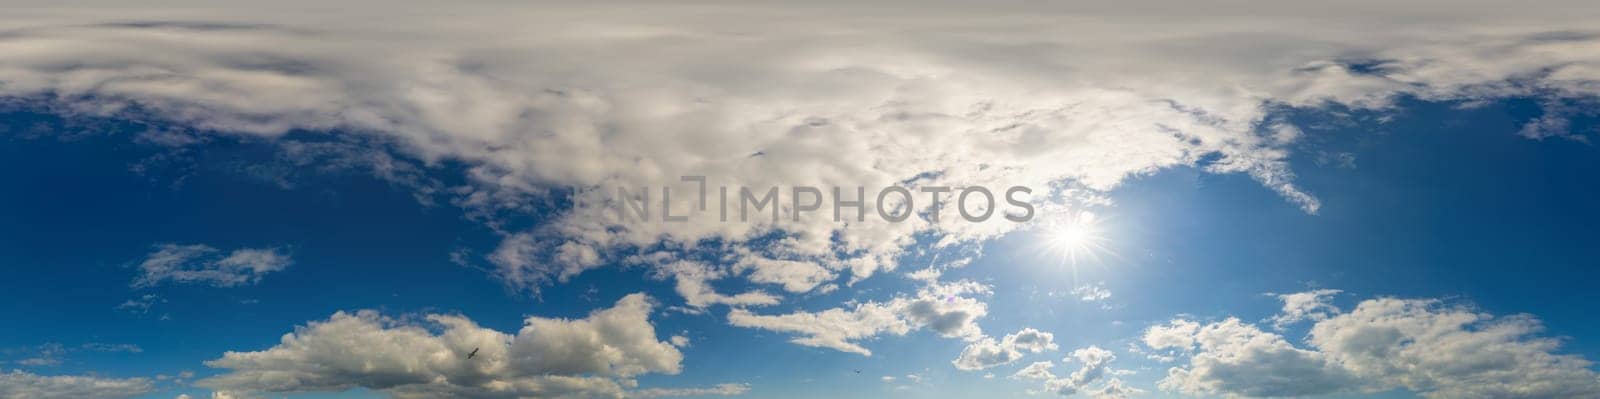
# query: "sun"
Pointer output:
{"type": "Point", "coordinates": [1075, 238]}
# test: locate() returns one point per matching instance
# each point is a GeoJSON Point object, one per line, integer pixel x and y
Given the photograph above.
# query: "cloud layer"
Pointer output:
{"type": "Point", "coordinates": [1067, 99]}
{"type": "Point", "coordinates": [19, 384]}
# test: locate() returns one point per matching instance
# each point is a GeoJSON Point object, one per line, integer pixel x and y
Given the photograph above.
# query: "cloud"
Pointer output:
{"type": "Point", "coordinates": [1114, 388]}
{"type": "Point", "coordinates": [203, 264]}
{"type": "Point", "coordinates": [140, 305]}
{"type": "Point", "coordinates": [596, 356]}
{"type": "Point", "coordinates": [693, 283]}
{"type": "Point", "coordinates": [105, 347]}
{"type": "Point", "coordinates": [987, 352]}
{"type": "Point", "coordinates": [44, 355]}
{"type": "Point", "coordinates": [1310, 305]}
{"type": "Point", "coordinates": [719, 390]}
{"type": "Point", "coordinates": [51, 354]}
{"type": "Point", "coordinates": [1383, 344]}
{"type": "Point", "coordinates": [530, 98]}
{"type": "Point", "coordinates": [794, 276]}
{"type": "Point", "coordinates": [24, 385]}
{"type": "Point", "coordinates": [1092, 293]}
{"type": "Point", "coordinates": [940, 308]}
{"type": "Point", "coordinates": [835, 328]}
{"type": "Point", "coordinates": [1036, 371]}
{"type": "Point", "coordinates": [1452, 351]}
{"type": "Point", "coordinates": [1095, 364]}
{"type": "Point", "coordinates": [1235, 358]}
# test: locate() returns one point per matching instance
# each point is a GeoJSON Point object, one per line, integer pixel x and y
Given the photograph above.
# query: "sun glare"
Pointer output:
{"type": "Point", "coordinates": [1076, 238]}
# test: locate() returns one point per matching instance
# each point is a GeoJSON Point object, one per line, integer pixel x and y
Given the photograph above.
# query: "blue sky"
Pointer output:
{"type": "Point", "coordinates": [1360, 200]}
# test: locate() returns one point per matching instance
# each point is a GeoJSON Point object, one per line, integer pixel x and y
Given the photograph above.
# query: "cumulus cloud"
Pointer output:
{"type": "Point", "coordinates": [530, 98]}
{"type": "Point", "coordinates": [944, 309]}
{"type": "Point", "coordinates": [19, 384]}
{"type": "Point", "coordinates": [1235, 358]}
{"type": "Point", "coordinates": [1448, 351]}
{"type": "Point", "coordinates": [987, 352]}
{"type": "Point", "coordinates": [1310, 305]}
{"type": "Point", "coordinates": [1095, 364]}
{"type": "Point", "coordinates": [202, 264]}
{"type": "Point", "coordinates": [597, 356]}
{"type": "Point", "coordinates": [1423, 346]}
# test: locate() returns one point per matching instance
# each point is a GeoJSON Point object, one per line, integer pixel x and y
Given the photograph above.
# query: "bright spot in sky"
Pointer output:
{"type": "Point", "coordinates": [1075, 238]}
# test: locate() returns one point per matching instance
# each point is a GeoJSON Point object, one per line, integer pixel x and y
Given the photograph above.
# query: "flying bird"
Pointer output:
{"type": "Point", "coordinates": [858, 371]}
{"type": "Point", "coordinates": [474, 353]}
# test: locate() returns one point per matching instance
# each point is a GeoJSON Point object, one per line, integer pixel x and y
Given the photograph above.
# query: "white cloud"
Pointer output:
{"type": "Point", "coordinates": [19, 384]}
{"type": "Point", "coordinates": [987, 352]}
{"type": "Point", "coordinates": [1092, 293]}
{"type": "Point", "coordinates": [794, 276]}
{"type": "Point", "coordinates": [1310, 305]}
{"type": "Point", "coordinates": [596, 356]}
{"type": "Point", "coordinates": [941, 308]}
{"type": "Point", "coordinates": [693, 283]}
{"type": "Point", "coordinates": [1114, 388]}
{"type": "Point", "coordinates": [1036, 371]}
{"type": "Point", "coordinates": [1452, 352]}
{"type": "Point", "coordinates": [203, 264]}
{"type": "Point", "coordinates": [1383, 344]}
{"type": "Point", "coordinates": [835, 328]}
{"type": "Point", "coordinates": [1095, 364]}
{"type": "Point", "coordinates": [719, 390]}
{"type": "Point", "coordinates": [1234, 358]}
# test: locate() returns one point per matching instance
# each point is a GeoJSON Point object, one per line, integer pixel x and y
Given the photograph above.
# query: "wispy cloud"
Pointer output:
{"type": "Point", "coordinates": [202, 264]}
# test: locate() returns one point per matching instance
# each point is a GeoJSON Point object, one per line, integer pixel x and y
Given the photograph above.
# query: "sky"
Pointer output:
{"type": "Point", "coordinates": [313, 200]}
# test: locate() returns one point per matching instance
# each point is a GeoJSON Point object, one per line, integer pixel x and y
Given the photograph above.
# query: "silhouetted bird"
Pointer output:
{"type": "Point", "coordinates": [474, 353]}
{"type": "Point", "coordinates": [858, 371]}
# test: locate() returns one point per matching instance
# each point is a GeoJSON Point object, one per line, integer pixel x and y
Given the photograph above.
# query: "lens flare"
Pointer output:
{"type": "Point", "coordinates": [1076, 238]}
